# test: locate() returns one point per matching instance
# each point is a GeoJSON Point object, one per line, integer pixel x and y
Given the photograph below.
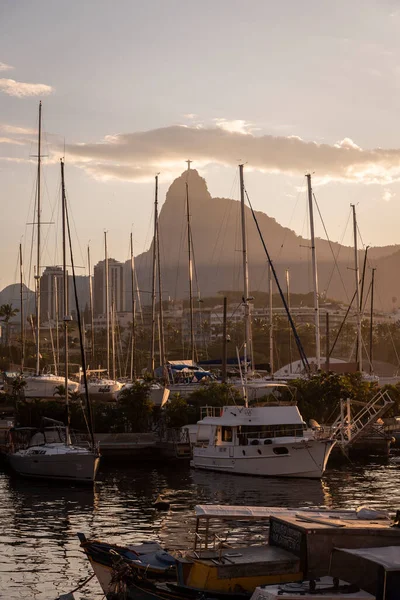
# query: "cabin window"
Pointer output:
{"type": "Point", "coordinates": [227, 434]}
{"type": "Point", "coordinates": [269, 431]}
{"type": "Point", "coordinates": [280, 450]}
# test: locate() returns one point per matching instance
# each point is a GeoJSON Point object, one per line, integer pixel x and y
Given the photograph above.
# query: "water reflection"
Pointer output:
{"type": "Point", "coordinates": [39, 552]}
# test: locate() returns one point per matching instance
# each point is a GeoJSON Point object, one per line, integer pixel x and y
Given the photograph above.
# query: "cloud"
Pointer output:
{"type": "Point", "coordinates": [17, 130]}
{"type": "Point", "coordinates": [5, 140]}
{"type": "Point", "coordinates": [388, 195]}
{"type": "Point", "coordinates": [4, 67]}
{"type": "Point", "coordinates": [138, 155]}
{"type": "Point", "coordinates": [23, 90]}
{"type": "Point", "coordinates": [235, 126]}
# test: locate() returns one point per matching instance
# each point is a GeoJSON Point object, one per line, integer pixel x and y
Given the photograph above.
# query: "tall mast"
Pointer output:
{"type": "Point", "coordinates": [290, 330]}
{"type": "Point", "coordinates": [189, 238]}
{"type": "Point", "coordinates": [66, 317]}
{"type": "Point", "coordinates": [57, 323]}
{"type": "Point", "coordinates": [21, 309]}
{"type": "Point", "coordinates": [271, 324]}
{"type": "Point", "coordinates": [371, 324]}
{"type": "Point", "coordinates": [357, 275]}
{"type": "Point", "coordinates": [247, 317]}
{"type": "Point", "coordinates": [113, 338]}
{"type": "Point", "coordinates": [38, 242]}
{"type": "Point", "coordinates": [161, 326]}
{"type": "Point", "coordinates": [153, 283]}
{"type": "Point", "coordinates": [315, 275]}
{"type": "Point", "coordinates": [91, 305]}
{"type": "Point", "coordinates": [107, 303]}
{"type": "Point", "coordinates": [133, 374]}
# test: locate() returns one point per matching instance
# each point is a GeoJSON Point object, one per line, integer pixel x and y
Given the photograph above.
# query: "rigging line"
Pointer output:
{"type": "Point", "coordinates": [287, 229]}
{"type": "Point", "coordinates": [342, 323]}
{"type": "Point", "coordinates": [181, 248]}
{"type": "Point", "coordinates": [224, 227]}
{"type": "Point", "coordinates": [299, 345]}
{"type": "Point", "coordinates": [331, 249]}
{"type": "Point", "coordinates": [78, 316]}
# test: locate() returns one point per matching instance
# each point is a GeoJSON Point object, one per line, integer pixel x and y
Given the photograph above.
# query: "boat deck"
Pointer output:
{"type": "Point", "coordinates": [248, 561]}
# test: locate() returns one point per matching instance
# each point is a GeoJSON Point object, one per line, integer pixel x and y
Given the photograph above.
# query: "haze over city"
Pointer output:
{"type": "Point", "coordinates": [132, 89]}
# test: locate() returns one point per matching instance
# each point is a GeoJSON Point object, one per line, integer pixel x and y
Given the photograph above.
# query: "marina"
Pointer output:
{"type": "Point", "coordinates": [200, 300]}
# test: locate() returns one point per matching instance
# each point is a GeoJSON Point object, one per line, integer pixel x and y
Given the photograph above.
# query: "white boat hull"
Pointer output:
{"type": "Point", "coordinates": [305, 458]}
{"type": "Point", "coordinates": [75, 464]}
{"type": "Point", "coordinates": [45, 386]}
{"type": "Point", "coordinates": [103, 390]}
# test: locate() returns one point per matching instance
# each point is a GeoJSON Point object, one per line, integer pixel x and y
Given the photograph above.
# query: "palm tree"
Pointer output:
{"type": "Point", "coordinates": [7, 312]}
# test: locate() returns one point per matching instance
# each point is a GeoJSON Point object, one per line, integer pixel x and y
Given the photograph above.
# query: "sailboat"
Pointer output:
{"type": "Point", "coordinates": [42, 385]}
{"type": "Point", "coordinates": [49, 453]}
{"type": "Point", "coordinates": [101, 385]}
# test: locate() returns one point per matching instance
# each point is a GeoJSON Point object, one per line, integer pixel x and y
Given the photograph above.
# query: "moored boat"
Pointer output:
{"type": "Point", "coordinates": [271, 440]}
{"type": "Point", "coordinates": [45, 454]}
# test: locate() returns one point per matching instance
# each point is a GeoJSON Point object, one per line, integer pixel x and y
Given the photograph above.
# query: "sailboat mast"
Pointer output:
{"type": "Point", "coordinates": [66, 317]}
{"type": "Point", "coordinates": [57, 323]}
{"type": "Point", "coordinates": [161, 313]}
{"type": "Point", "coordinates": [371, 323]}
{"type": "Point", "coordinates": [189, 239]}
{"type": "Point", "coordinates": [153, 283]}
{"type": "Point", "coordinates": [290, 331]}
{"type": "Point", "coordinates": [271, 324]}
{"type": "Point", "coordinates": [21, 309]}
{"type": "Point", "coordinates": [247, 317]}
{"type": "Point", "coordinates": [91, 305]}
{"type": "Point", "coordinates": [133, 374]}
{"type": "Point", "coordinates": [107, 303]}
{"type": "Point", "coordinates": [315, 275]}
{"type": "Point", "coordinates": [113, 338]}
{"type": "Point", "coordinates": [357, 275]}
{"type": "Point", "coordinates": [39, 157]}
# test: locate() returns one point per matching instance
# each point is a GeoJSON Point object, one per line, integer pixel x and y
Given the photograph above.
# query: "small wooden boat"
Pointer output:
{"type": "Point", "coordinates": [146, 559]}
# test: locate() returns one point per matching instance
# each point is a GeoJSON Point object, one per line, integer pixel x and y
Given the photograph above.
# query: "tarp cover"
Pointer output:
{"type": "Point", "coordinates": [388, 557]}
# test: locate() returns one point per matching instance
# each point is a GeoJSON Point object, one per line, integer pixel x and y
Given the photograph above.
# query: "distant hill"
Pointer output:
{"type": "Point", "coordinates": [216, 235]}
{"type": "Point", "coordinates": [11, 295]}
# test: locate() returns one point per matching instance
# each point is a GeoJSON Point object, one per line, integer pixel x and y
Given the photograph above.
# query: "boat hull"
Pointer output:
{"type": "Point", "coordinates": [44, 386]}
{"type": "Point", "coordinates": [77, 467]}
{"type": "Point", "coordinates": [104, 390]}
{"type": "Point", "coordinates": [305, 458]}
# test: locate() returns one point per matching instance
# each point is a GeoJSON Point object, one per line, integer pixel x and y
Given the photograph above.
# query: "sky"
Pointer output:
{"type": "Point", "coordinates": [131, 89]}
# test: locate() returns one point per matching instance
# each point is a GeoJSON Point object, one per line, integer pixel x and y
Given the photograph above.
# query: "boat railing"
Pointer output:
{"type": "Point", "coordinates": [262, 436]}
{"type": "Point", "coordinates": [207, 543]}
{"type": "Point", "coordinates": [210, 411]}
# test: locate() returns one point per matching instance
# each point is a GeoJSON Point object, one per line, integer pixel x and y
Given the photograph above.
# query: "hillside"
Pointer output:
{"type": "Point", "coordinates": [217, 250]}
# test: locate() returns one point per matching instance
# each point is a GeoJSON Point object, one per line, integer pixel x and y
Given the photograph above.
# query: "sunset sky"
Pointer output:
{"type": "Point", "coordinates": [134, 88]}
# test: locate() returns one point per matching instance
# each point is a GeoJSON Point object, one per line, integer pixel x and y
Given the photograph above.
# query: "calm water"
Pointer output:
{"type": "Point", "coordinates": [39, 551]}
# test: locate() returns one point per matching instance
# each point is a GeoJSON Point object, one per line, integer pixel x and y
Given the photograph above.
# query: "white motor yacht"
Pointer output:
{"type": "Point", "coordinates": [265, 440]}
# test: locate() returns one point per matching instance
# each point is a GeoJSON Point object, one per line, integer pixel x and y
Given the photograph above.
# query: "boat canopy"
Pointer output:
{"type": "Point", "coordinates": [232, 416]}
{"type": "Point", "coordinates": [388, 557]}
{"type": "Point", "coordinates": [216, 511]}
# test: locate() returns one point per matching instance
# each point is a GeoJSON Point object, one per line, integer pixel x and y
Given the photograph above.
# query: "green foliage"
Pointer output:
{"type": "Point", "coordinates": [176, 412]}
{"type": "Point", "coordinates": [319, 397]}
{"type": "Point", "coordinates": [136, 407]}
{"type": "Point", "coordinates": [212, 394]}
